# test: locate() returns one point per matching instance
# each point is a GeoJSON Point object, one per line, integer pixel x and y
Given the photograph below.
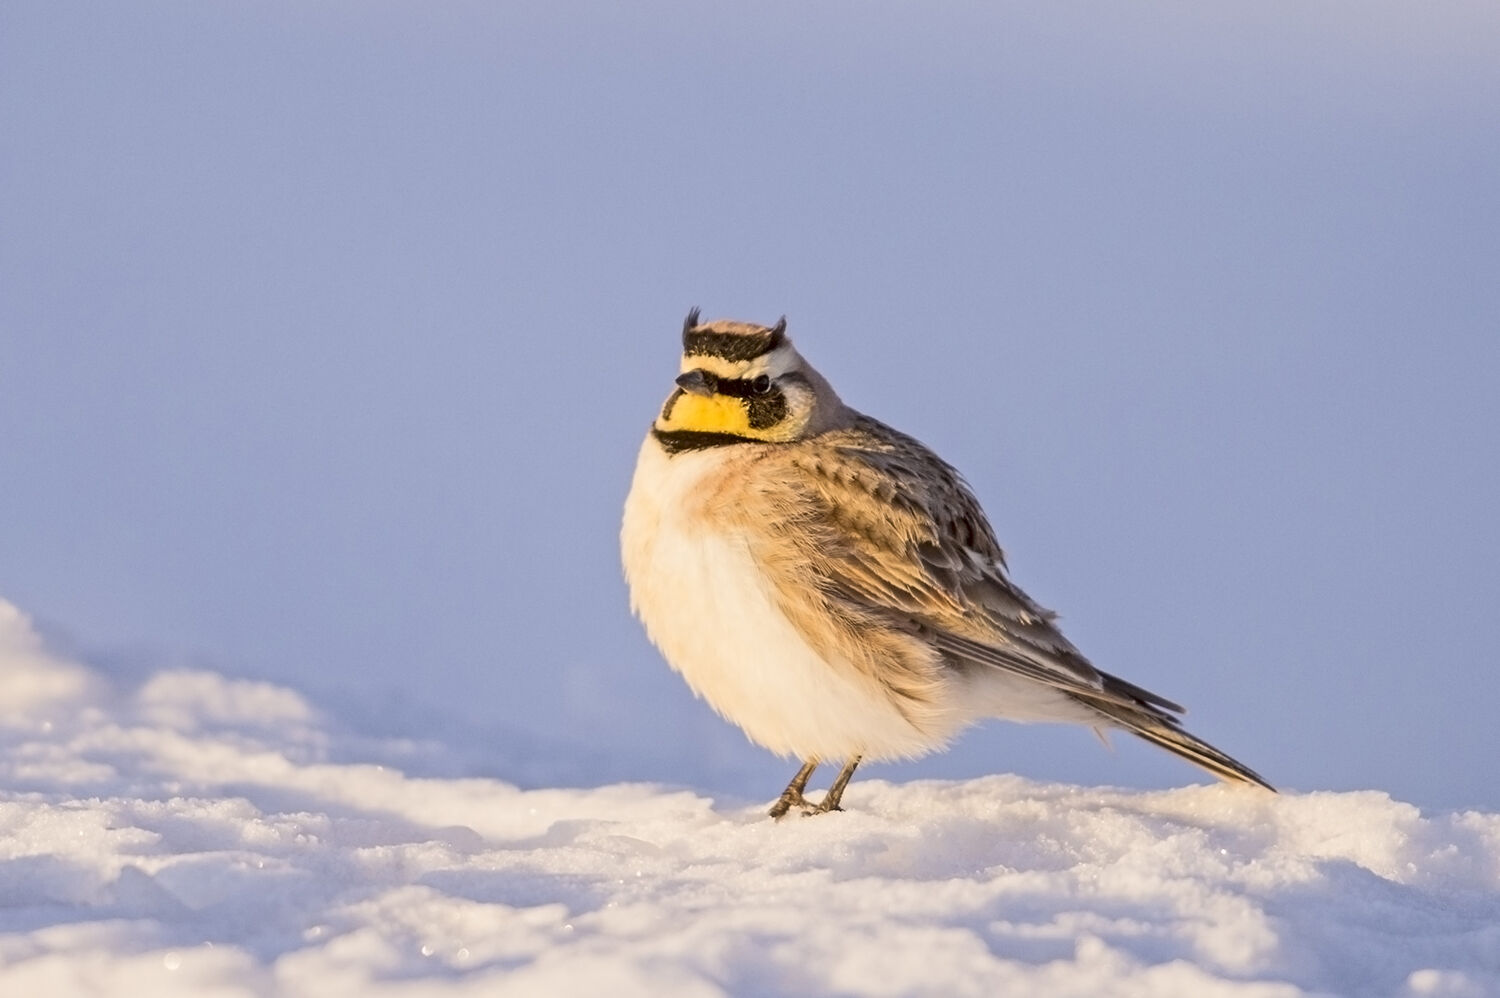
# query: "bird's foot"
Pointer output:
{"type": "Point", "coordinates": [823, 807]}
{"type": "Point", "coordinates": [792, 796]}
{"type": "Point", "coordinates": [785, 804]}
{"type": "Point", "coordinates": [789, 799]}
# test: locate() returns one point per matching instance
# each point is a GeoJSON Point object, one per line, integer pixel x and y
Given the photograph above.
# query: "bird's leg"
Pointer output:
{"type": "Point", "coordinates": [792, 796]}
{"type": "Point", "coordinates": [836, 792]}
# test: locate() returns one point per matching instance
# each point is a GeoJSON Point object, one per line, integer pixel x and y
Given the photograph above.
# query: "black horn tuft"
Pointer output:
{"type": "Point", "coordinates": [689, 324]}
{"type": "Point", "coordinates": [778, 333]}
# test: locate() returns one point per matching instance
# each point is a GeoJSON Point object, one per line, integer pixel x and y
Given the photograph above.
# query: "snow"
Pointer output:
{"type": "Point", "coordinates": [197, 834]}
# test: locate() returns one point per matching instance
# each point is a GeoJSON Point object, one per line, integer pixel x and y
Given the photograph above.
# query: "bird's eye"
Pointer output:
{"type": "Point", "coordinates": [761, 385]}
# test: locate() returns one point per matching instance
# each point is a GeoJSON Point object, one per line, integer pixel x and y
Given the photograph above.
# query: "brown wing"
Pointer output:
{"type": "Point", "coordinates": [909, 541]}
{"type": "Point", "coordinates": [900, 549]}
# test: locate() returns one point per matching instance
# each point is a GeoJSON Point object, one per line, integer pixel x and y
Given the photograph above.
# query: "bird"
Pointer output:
{"type": "Point", "coordinates": [833, 587]}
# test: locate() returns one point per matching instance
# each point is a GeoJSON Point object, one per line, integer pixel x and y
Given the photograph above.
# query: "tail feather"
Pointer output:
{"type": "Point", "coordinates": [1200, 753]}
{"type": "Point", "coordinates": [1149, 719]}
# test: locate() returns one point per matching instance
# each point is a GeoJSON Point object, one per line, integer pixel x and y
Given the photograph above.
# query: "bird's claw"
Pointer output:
{"type": "Point", "coordinates": [786, 802]}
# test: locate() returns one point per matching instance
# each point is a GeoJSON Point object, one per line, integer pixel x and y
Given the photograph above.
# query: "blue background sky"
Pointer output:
{"type": "Point", "coordinates": [328, 333]}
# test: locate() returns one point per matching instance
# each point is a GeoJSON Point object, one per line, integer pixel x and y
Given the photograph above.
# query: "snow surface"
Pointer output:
{"type": "Point", "coordinates": [203, 835]}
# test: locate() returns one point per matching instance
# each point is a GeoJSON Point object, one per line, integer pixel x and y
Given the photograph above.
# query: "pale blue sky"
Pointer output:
{"type": "Point", "coordinates": [328, 333]}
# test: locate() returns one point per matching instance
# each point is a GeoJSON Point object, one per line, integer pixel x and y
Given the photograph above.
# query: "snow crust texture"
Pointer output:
{"type": "Point", "coordinates": [200, 835]}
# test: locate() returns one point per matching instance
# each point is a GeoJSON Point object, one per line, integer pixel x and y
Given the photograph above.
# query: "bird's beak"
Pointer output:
{"type": "Point", "coordinates": [699, 382]}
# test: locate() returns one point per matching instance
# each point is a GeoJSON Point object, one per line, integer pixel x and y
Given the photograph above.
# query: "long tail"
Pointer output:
{"type": "Point", "coordinates": [1149, 717]}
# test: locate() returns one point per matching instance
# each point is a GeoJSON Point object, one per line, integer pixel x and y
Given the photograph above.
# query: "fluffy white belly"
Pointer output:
{"type": "Point", "coordinates": [706, 605]}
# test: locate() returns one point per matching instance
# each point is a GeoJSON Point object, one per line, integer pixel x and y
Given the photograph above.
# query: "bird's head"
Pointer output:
{"type": "Point", "coordinates": [742, 382]}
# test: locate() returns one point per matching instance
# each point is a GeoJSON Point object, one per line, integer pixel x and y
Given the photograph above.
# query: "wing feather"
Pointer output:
{"type": "Point", "coordinates": [917, 547]}
{"type": "Point", "coordinates": [899, 548]}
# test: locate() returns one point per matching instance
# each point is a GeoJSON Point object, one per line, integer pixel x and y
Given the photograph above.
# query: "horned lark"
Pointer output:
{"type": "Point", "coordinates": [832, 586]}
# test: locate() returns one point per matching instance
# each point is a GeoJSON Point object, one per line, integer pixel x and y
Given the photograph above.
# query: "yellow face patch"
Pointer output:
{"type": "Point", "coordinates": [706, 414]}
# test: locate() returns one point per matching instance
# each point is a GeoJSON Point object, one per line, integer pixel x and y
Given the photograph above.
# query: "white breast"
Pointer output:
{"type": "Point", "coordinates": [709, 609]}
